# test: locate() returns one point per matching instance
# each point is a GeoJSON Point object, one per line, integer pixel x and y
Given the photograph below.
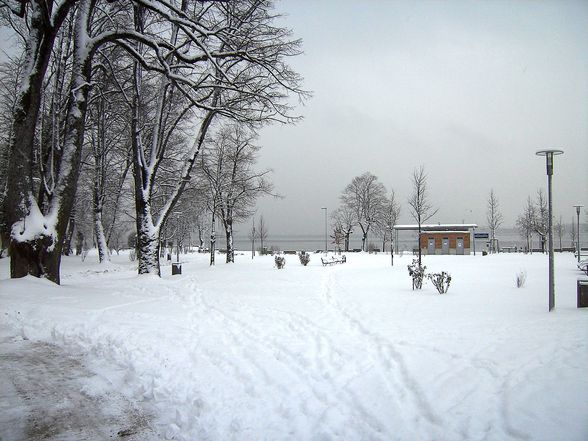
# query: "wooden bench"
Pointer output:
{"type": "Point", "coordinates": [333, 260]}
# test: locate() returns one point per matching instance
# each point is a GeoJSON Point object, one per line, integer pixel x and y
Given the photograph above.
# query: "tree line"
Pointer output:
{"type": "Point", "coordinates": [165, 95]}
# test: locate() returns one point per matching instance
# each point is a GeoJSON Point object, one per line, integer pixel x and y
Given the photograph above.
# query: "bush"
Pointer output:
{"type": "Point", "coordinates": [304, 257]}
{"type": "Point", "coordinates": [280, 262]}
{"type": "Point", "coordinates": [417, 272]}
{"type": "Point", "coordinates": [440, 280]}
{"type": "Point", "coordinates": [132, 255]}
{"type": "Point", "coordinates": [521, 278]}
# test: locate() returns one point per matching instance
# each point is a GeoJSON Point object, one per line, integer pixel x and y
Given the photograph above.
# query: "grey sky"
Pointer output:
{"type": "Point", "coordinates": [468, 89]}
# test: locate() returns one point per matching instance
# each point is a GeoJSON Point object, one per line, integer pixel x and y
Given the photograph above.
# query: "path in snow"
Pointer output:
{"type": "Point", "coordinates": [42, 398]}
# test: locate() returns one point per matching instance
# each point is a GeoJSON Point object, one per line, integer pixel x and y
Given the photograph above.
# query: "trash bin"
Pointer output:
{"type": "Point", "coordinates": [583, 293]}
{"type": "Point", "coordinates": [177, 269]}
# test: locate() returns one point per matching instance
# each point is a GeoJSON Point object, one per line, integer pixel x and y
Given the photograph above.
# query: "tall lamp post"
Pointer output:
{"type": "Point", "coordinates": [578, 208]}
{"type": "Point", "coordinates": [549, 154]}
{"type": "Point", "coordinates": [326, 247]}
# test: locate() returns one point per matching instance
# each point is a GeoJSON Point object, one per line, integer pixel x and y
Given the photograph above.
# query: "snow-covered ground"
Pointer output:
{"type": "Point", "coordinates": [346, 352]}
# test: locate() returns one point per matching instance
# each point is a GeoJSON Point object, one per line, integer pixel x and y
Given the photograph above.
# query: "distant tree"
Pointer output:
{"type": "Point", "coordinates": [229, 165]}
{"type": "Point", "coordinates": [344, 217]}
{"type": "Point", "coordinates": [573, 236]}
{"type": "Point", "coordinates": [388, 220]}
{"type": "Point", "coordinates": [560, 230]}
{"type": "Point", "coordinates": [420, 208]}
{"type": "Point", "coordinates": [338, 237]}
{"type": "Point", "coordinates": [493, 217]}
{"type": "Point", "coordinates": [365, 196]}
{"type": "Point", "coordinates": [526, 223]}
{"type": "Point", "coordinates": [252, 236]}
{"type": "Point", "coordinates": [541, 220]}
{"type": "Point", "coordinates": [262, 231]}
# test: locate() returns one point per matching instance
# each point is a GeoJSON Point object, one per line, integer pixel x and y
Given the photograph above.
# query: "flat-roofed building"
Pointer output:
{"type": "Point", "coordinates": [453, 239]}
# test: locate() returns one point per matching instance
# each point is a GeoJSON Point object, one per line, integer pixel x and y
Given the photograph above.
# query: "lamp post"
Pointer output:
{"type": "Point", "coordinates": [578, 208]}
{"type": "Point", "coordinates": [326, 247]}
{"type": "Point", "coordinates": [549, 154]}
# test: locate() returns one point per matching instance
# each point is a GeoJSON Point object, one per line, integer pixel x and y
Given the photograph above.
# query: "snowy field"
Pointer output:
{"type": "Point", "coordinates": [348, 352]}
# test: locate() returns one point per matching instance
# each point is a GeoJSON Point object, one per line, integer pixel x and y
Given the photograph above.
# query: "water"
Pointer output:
{"type": "Point", "coordinates": [507, 237]}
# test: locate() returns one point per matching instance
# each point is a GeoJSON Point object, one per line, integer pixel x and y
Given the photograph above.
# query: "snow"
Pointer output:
{"type": "Point", "coordinates": [34, 226]}
{"type": "Point", "coordinates": [345, 352]}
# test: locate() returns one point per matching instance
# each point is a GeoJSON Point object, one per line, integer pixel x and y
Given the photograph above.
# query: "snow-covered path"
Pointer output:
{"type": "Point", "coordinates": [348, 352]}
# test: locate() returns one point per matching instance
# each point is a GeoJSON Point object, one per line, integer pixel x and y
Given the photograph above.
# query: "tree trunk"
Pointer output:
{"type": "Point", "coordinates": [230, 246]}
{"type": "Point", "coordinates": [347, 241]}
{"type": "Point", "coordinates": [419, 245]}
{"type": "Point", "coordinates": [67, 247]}
{"type": "Point", "coordinates": [26, 257]}
{"type": "Point", "coordinates": [212, 240]}
{"type": "Point", "coordinates": [39, 258]}
{"type": "Point", "coordinates": [103, 254]}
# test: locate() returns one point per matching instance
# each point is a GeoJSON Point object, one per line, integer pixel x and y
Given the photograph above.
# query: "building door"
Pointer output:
{"type": "Point", "coordinates": [431, 248]}
{"type": "Point", "coordinates": [459, 245]}
{"type": "Point", "coordinates": [445, 245]}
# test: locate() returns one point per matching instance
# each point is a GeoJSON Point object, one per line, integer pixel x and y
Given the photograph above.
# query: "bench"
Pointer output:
{"type": "Point", "coordinates": [333, 260]}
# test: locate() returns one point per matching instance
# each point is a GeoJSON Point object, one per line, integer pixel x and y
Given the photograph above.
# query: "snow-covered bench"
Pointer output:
{"type": "Point", "coordinates": [333, 260]}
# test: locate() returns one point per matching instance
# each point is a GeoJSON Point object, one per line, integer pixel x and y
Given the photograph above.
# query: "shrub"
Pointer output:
{"type": "Point", "coordinates": [417, 272]}
{"type": "Point", "coordinates": [521, 278]}
{"type": "Point", "coordinates": [440, 280]}
{"type": "Point", "coordinates": [280, 262]}
{"type": "Point", "coordinates": [132, 255]}
{"type": "Point", "coordinates": [304, 257]}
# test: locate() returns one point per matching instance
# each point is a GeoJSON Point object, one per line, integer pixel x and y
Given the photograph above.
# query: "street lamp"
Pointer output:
{"type": "Point", "coordinates": [549, 154]}
{"type": "Point", "coordinates": [326, 247]}
{"type": "Point", "coordinates": [578, 207]}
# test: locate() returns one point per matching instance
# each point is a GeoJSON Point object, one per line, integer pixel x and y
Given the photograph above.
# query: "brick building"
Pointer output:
{"type": "Point", "coordinates": [454, 239]}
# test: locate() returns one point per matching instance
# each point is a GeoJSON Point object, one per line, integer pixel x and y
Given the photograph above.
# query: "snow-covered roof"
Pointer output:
{"type": "Point", "coordinates": [446, 232]}
{"type": "Point", "coordinates": [436, 227]}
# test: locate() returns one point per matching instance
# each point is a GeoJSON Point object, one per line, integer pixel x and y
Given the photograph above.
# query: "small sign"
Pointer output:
{"type": "Point", "coordinates": [481, 236]}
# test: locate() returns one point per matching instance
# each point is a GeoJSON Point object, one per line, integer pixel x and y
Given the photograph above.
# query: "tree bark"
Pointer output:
{"type": "Point", "coordinates": [230, 245]}
{"type": "Point", "coordinates": [41, 256]}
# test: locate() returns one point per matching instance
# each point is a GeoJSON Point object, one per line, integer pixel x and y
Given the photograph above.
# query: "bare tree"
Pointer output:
{"type": "Point", "coordinates": [389, 219]}
{"type": "Point", "coordinates": [540, 221]}
{"type": "Point", "coordinates": [262, 231]}
{"type": "Point", "coordinates": [560, 230]}
{"type": "Point", "coordinates": [365, 196]}
{"type": "Point", "coordinates": [344, 217]}
{"type": "Point", "coordinates": [229, 165]}
{"type": "Point", "coordinates": [224, 59]}
{"type": "Point", "coordinates": [420, 208]}
{"type": "Point", "coordinates": [573, 233]}
{"type": "Point", "coordinates": [493, 217]}
{"type": "Point", "coordinates": [526, 224]}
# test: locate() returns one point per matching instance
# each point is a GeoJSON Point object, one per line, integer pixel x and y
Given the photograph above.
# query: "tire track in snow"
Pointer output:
{"type": "Point", "coordinates": [401, 384]}
{"type": "Point", "coordinates": [321, 387]}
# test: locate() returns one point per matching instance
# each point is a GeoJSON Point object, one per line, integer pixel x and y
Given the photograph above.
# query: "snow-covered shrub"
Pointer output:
{"type": "Point", "coordinates": [280, 262]}
{"type": "Point", "coordinates": [132, 255]}
{"type": "Point", "coordinates": [521, 278]}
{"type": "Point", "coordinates": [417, 272]}
{"type": "Point", "coordinates": [440, 280]}
{"type": "Point", "coordinates": [372, 248]}
{"type": "Point", "coordinates": [304, 257]}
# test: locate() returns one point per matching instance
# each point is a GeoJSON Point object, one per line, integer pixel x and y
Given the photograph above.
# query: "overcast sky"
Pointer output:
{"type": "Point", "coordinates": [469, 89]}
